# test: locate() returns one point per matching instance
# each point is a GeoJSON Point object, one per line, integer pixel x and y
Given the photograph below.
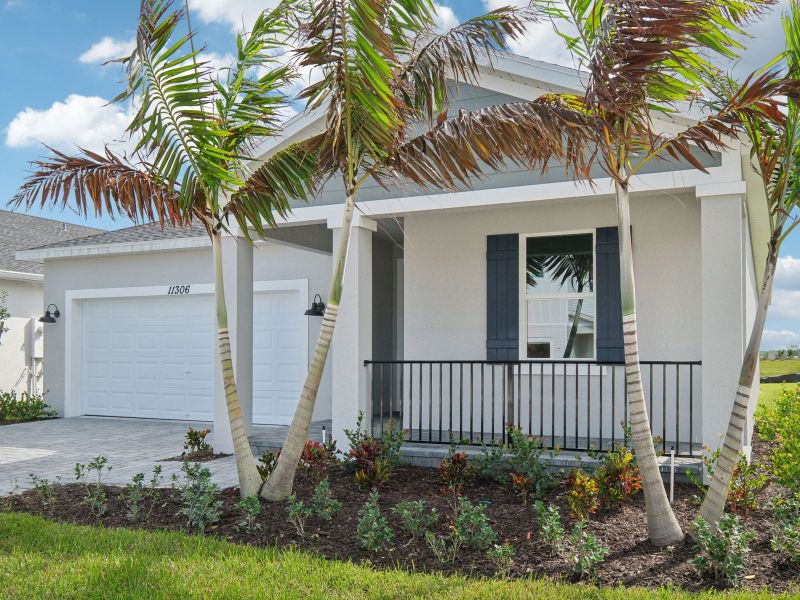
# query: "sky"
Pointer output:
{"type": "Point", "coordinates": [56, 91]}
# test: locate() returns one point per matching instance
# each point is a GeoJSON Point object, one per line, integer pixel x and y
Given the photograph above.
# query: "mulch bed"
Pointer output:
{"type": "Point", "coordinates": [202, 458]}
{"type": "Point", "coordinates": [17, 422]}
{"type": "Point", "coordinates": [632, 559]}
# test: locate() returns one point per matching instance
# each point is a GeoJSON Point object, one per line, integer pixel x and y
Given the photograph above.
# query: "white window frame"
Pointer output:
{"type": "Point", "coordinates": [525, 297]}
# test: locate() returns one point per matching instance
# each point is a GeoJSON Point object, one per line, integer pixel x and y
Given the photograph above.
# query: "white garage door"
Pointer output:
{"type": "Point", "coordinates": [279, 360]}
{"type": "Point", "coordinates": [149, 357]}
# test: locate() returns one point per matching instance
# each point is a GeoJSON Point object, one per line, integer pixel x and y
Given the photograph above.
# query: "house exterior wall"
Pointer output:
{"type": "Point", "coordinates": [194, 266]}
{"type": "Point", "coordinates": [445, 316]}
{"type": "Point", "coordinates": [22, 342]}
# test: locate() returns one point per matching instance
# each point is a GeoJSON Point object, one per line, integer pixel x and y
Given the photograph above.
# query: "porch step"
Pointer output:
{"type": "Point", "coordinates": [429, 455]}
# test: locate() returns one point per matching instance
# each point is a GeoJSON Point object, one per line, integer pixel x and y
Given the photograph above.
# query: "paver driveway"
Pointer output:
{"type": "Point", "coordinates": [51, 448]}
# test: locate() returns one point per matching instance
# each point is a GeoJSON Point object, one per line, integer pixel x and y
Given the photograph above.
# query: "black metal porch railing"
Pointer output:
{"type": "Point", "coordinates": [568, 405]}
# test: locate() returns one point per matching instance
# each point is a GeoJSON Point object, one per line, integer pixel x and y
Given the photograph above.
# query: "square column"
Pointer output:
{"type": "Point", "coordinates": [237, 267]}
{"type": "Point", "coordinates": [352, 338]}
{"type": "Point", "coordinates": [724, 313]}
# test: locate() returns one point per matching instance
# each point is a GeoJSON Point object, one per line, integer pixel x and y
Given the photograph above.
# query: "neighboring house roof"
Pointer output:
{"type": "Point", "coordinates": [21, 231]}
{"type": "Point", "coordinates": [137, 233]}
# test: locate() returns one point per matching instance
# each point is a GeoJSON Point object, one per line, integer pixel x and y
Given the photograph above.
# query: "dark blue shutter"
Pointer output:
{"type": "Point", "coordinates": [502, 297]}
{"type": "Point", "coordinates": [607, 296]}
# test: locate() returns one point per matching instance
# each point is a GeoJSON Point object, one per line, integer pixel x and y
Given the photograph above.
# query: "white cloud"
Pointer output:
{"type": "Point", "coordinates": [785, 305]}
{"type": "Point", "coordinates": [85, 121]}
{"type": "Point", "coordinates": [773, 340]}
{"type": "Point", "coordinates": [107, 49]}
{"type": "Point", "coordinates": [787, 273]}
{"type": "Point", "coordinates": [234, 13]}
{"type": "Point", "coordinates": [445, 17]}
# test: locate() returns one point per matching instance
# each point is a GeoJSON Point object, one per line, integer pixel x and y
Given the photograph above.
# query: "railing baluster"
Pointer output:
{"type": "Point", "coordinates": [460, 399]}
{"type": "Point", "coordinates": [483, 402]}
{"type": "Point", "coordinates": [613, 406]}
{"type": "Point", "coordinates": [600, 443]}
{"type": "Point", "coordinates": [430, 402]}
{"type": "Point", "coordinates": [664, 409]}
{"type": "Point", "coordinates": [677, 409]}
{"type": "Point", "coordinates": [441, 398]}
{"type": "Point", "coordinates": [419, 418]}
{"type": "Point", "coordinates": [494, 439]}
{"type": "Point", "coordinates": [691, 410]}
{"type": "Point", "coordinates": [530, 398]}
{"type": "Point", "coordinates": [450, 403]}
{"type": "Point", "coordinates": [411, 399]}
{"type": "Point", "coordinates": [577, 408]}
{"type": "Point", "coordinates": [552, 403]}
{"type": "Point", "coordinates": [588, 405]}
{"type": "Point", "coordinates": [471, 397]}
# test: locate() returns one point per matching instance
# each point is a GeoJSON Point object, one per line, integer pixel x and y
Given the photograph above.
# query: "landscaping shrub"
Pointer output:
{"type": "Point", "coordinates": [373, 529]}
{"type": "Point", "coordinates": [472, 525]}
{"type": "Point", "coordinates": [43, 488]}
{"type": "Point", "coordinates": [583, 552]}
{"type": "Point", "coordinates": [502, 556]}
{"type": "Point", "coordinates": [298, 513]}
{"type": "Point", "coordinates": [490, 464]}
{"type": "Point", "coordinates": [250, 508]}
{"type": "Point", "coordinates": [531, 473]}
{"type": "Point", "coordinates": [25, 407]}
{"type": "Point", "coordinates": [747, 483]}
{"type": "Point", "coordinates": [551, 529]}
{"type": "Point", "coordinates": [95, 497]}
{"type": "Point", "coordinates": [317, 459]}
{"type": "Point", "coordinates": [140, 498]}
{"type": "Point", "coordinates": [454, 472]}
{"type": "Point", "coordinates": [267, 464]}
{"type": "Point", "coordinates": [617, 476]}
{"type": "Point", "coordinates": [721, 549]}
{"type": "Point", "coordinates": [372, 459]}
{"type": "Point", "coordinates": [582, 494]}
{"type": "Point", "coordinates": [195, 445]}
{"type": "Point", "coordinates": [785, 539]}
{"type": "Point", "coordinates": [200, 504]}
{"type": "Point", "coordinates": [416, 517]}
{"type": "Point", "coordinates": [781, 424]}
{"type": "Point", "coordinates": [323, 504]}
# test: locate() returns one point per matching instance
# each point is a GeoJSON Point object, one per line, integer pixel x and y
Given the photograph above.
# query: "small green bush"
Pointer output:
{"type": "Point", "coordinates": [502, 556]}
{"type": "Point", "coordinates": [583, 552]}
{"type": "Point", "coordinates": [267, 464]}
{"type": "Point", "coordinates": [747, 484]}
{"type": "Point", "coordinates": [200, 504]}
{"type": "Point", "coordinates": [415, 516]}
{"type": "Point", "coordinates": [26, 407]}
{"type": "Point", "coordinates": [372, 459]}
{"type": "Point", "coordinates": [323, 504]}
{"type": "Point", "coordinates": [721, 549]}
{"type": "Point", "coordinates": [250, 508]}
{"type": "Point", "coordinates": [141, 498]}
{"type": "Point", "coordinates": [95, 497]}
{"type": "Point", "coordinates": [373, 530]}
{"type": "Point", "coordinates": [785, 539]}
{"type": "Point", "coordinates": [781, 424]}
{"type": "Point", "coordinates": [491, 463]}
{"type": "Point", "coordinates": [551, 529]}
{"type": "Point", "coordinates": [298, 513]}
{"type": "Point", "coordinates": [472, 525]}
{"type": "Point", "coordinates": [531, 472]}
{"type": "Point", "coordinates": [195, 445]}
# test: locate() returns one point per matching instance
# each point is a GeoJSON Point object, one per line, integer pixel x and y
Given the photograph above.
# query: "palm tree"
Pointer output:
{"type": "Point", "coordinates": [775, 154]}
{"type": "Point", "coordinates": [385, 69]}
{"type": "Point", "coordinates": [194, 131]}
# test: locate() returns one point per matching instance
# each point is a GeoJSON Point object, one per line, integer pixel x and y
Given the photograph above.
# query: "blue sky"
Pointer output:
{"type": "Point", "coordinates": [56, 91]}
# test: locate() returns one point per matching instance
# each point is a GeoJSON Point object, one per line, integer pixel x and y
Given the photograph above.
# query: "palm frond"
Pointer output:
{"type": "Point", "coordinates": [286, 176]}
{"type": "Point", "coordinates": [457, 55]}
{"type": "Point", "coordinates": [466, 146]}
{"type": "Point", "coordinates": [96, 184]}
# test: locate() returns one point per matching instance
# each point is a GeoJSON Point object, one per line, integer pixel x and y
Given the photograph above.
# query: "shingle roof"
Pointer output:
{"type": "Point", "coordinates": [137, 233]}
{"type": "Point", "coordinates": [20, 231]}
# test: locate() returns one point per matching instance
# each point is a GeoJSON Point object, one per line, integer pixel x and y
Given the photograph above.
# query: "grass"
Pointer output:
{"type": "Point", "coordinates": [40, 559]}
{"type": "Point", "coordinates": [769, 393]}
{"type": "Point", "coordinates": [770, 368]}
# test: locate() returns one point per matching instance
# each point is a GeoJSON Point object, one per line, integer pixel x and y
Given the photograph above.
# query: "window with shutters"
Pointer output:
{"type": "Point", "coordinates": [558, 299]}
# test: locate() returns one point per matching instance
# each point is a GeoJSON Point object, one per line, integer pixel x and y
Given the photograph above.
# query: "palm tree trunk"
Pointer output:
{"type": "Point", "coordinates": [279, 484]}
{"type": "Point", "coordinates": [249, 478]}
{"type": "Point", "coordinates": [663, 528]}
{"type": "Point", "coordinates": [714, 503]}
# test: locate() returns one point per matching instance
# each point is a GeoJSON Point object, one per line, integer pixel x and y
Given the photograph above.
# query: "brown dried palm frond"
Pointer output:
{"type": "Point", "coordinates": [97, 184]}
{"type": "Point", "coordinates": [528, 134]}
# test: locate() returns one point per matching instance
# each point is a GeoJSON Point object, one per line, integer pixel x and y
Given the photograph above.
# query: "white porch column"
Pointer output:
{"type": "Point", "coordinates": [237, 266]}
{"type": "Point", "coordinates": [352, 338]}
{"type": "Point", "coordinates": [723, 264]}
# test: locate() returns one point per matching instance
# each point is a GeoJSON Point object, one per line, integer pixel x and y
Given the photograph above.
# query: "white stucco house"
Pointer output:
{"type": "Point", "coordinates": [453, 318]}
{"type": "Point", "coordinates": [21, 288]}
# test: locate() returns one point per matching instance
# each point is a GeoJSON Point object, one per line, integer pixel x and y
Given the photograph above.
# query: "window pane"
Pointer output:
{"type": "Point", "coordinates": [561, 264]}
{"type": "Point", "coordinates": [564, 325]}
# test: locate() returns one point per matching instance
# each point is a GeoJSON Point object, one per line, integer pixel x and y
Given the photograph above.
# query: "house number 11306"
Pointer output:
{"type": "Point", "coordinates": [178, 289]}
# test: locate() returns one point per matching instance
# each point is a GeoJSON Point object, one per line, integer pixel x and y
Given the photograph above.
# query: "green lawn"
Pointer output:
{"type": "Point", "coordinates": [39, 559]}
{"type": "Point", "coordinates": [769, 393]}
{"type": "Point", "coordinates": [770, 368]}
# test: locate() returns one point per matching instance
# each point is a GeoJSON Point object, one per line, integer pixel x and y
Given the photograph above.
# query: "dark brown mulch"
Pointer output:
{"type": "Point", "coordinates": [202, 458]}
{"type": "Point", "coordinates": [17, 422]}
{"type": "Point", "coordinates": [632, 559]}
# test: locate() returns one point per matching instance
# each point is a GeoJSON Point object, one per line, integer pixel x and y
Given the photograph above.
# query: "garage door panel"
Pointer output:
{"type": "Point", "coordinates": [149, 357]}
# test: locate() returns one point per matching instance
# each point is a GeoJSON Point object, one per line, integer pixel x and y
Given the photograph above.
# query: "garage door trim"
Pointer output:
{"type": "Point", "coordinates": [73, 324]}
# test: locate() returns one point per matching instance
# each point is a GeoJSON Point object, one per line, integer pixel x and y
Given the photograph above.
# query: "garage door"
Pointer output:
{"type": "Point", "coordinates": [149, 357]}
{"type": "Point", "coordinates": [279, 360]}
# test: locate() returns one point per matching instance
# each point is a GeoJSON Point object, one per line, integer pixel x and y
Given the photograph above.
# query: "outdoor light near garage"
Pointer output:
{"type": "Point", "coordinates": [317, 307]}
{"type": "Point", "coordinates": [48, 316]}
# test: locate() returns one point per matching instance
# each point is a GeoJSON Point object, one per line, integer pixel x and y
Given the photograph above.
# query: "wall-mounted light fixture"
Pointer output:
{"type": "Point", "coordinates": [50, 317]}
{"type": "Point", "coordinates": [317, 307]}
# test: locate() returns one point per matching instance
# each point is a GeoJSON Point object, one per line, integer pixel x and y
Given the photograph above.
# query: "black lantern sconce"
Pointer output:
{"type": "Point", "coordinates": [317, 307]}
{"type": "Point", "coordinates": [48, 316]}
